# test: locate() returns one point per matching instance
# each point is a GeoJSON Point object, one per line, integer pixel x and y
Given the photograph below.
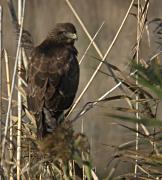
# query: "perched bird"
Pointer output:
{"type": "Point", "coordinates": [53, 78]}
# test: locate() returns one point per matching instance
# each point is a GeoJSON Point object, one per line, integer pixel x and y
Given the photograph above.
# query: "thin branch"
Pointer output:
{"type": "Point", "coordinates": [12, 89]}
{"type": "Point", "coordinates": [97, 49]}
{"type": "Point", "coordinates": [91, 42]}
{"type": "Point", "coordinates": [84, 28]}
{"type": "Point", "coordinates": [1, 174]}
{"type": "Point", "coordinates": [90, 105]}
{"type": "Point", "coordinates": [9, 94]}
{"type": "Point", "coordinates": [21, 9]}
{"type": "Point", "coordinates": [137, 96]}
{"type": "Point", "coordinates": [0, 73]}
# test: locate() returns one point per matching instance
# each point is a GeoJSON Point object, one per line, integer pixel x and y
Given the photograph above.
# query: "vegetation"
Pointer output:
{"type": "Point", "coordinates": [66, 154]}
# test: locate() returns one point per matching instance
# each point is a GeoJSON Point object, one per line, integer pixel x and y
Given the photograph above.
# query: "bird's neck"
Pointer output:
{"type": "Point", "coordinates": [48, 44]}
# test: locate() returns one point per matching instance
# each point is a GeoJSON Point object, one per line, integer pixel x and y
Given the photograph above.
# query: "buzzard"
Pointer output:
{"type": "Point", "coordinates": [53, 78]}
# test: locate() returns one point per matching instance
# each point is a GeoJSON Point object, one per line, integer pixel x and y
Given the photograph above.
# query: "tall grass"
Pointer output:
{"type": "Point", "coordinates": [65, 154]}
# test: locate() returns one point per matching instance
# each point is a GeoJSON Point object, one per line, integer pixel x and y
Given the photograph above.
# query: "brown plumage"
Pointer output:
{"type": "Point", "coordinates": [53, 78]}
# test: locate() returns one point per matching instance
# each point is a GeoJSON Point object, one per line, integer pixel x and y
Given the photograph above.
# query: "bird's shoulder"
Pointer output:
{"type": "Point", "coordinates": [53, 52]}
{"type": "Point", "coordinates": [58, 61]}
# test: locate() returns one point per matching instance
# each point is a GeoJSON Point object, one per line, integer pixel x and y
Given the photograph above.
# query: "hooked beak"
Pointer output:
{"type": "Point", "coordinates": [72, 35]}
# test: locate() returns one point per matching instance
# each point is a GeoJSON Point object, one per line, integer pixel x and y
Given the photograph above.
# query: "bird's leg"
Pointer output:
{"type": "Point", "coordinates": [61, 118]}
{"type": "Point", "coordinates": [50, 121]}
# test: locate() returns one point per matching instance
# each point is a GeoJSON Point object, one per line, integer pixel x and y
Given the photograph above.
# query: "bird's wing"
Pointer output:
{"type": "Point", "coordinates": [52, 84]}
{"type": "Point", "coordinates": [44, 76]}
{"type": "Point", "coordinates": [69, 84]}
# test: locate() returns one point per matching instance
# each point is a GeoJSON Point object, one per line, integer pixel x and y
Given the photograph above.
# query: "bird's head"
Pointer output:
{"type": "Point", "coordinates": [64, 33]}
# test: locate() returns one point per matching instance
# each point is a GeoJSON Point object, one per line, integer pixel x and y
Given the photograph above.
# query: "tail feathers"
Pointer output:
{"type": "Point", "coordinates": [50, 121]}
{"type": "Point", "coordinates": [41, 129]}
{"type": "Point", "coordinates": [47, 122]}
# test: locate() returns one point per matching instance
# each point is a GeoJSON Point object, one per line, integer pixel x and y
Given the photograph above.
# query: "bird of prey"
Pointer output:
{"type": "Point", "coordinates": [53, 78]}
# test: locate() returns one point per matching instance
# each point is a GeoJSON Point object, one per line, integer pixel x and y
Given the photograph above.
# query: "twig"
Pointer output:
{"type": "Point", "coordinates": [97, 49]}
{"type": "Point", "coordinates": [91, 42]}
{"type": "Point", "coordinates": [21, 9]}
{"type": "Point", "coordinates": [101, 98]}
{"type": "Point", "coordinates": [12, 89]}
{"type": "Point", "coordinates": [1, 175]}
{"type": "Point", "coordinates": [9, 94]}
{"type": "Point", "coordinates": [0, 73]}
{"type": "Point", "coordinates": [137, 96]}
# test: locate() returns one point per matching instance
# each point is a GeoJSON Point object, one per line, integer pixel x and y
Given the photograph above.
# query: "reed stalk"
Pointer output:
{"type": "Point", "coordinates": [97, 49]}
{"type": "Point", "coordinates": [0, 73]}
{"type": "Point", "coordinates": [10, 119]}
{"type": "Point", "coordinates": [21, 8]}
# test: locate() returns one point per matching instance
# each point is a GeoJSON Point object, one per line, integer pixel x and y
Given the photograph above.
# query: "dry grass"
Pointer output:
{"type": "Point", "coordinates": [65, 154]}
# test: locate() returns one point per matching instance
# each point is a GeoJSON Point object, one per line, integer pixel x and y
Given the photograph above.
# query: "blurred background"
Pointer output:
{"type": "Point", "coordinates": [41, 16]}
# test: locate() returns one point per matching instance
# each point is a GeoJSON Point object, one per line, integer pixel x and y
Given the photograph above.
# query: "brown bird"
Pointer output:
{"type": "Point", "coordinates": [53, 78]}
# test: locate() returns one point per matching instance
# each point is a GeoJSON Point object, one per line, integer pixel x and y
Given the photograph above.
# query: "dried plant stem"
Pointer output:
{"type": "Point", "coordinates": [91, 42]}
{"type": "Point", "coordinates": [9, 94]}
{"type": "Point", "coordinates": [145, 172]}
{"type": "Point", "coordinates": [137, 97]}
{"type": "Point", "coordinates": [0, 73]}
{"type": "Point", "coordinates": [144, 17]}
{"type": "Point", "coordinates": [143, 20]}
{"type": "Point", "coordinates": [21, 4]}
{"type": "Point", "coordinates": [94, 175]}
{"type": "Point", "coordinates": [7, 73]}
{"type": "Point", "coordinates": [84, 28]}
{"type": "Point", "coordinates": [101, 98]}
{"type": "Point", "coordinates": [82, 131]}
{"type": "Point", "coordinates": [25, 59]}
{"type": "Point", "coordinates": [1, 79]}
{"type": "Point", "coordinates": [97, 49]}
{"type": "Point", "coordinates": [12, 89]}
{"type": "Point", "coordinates": [29, 156]}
